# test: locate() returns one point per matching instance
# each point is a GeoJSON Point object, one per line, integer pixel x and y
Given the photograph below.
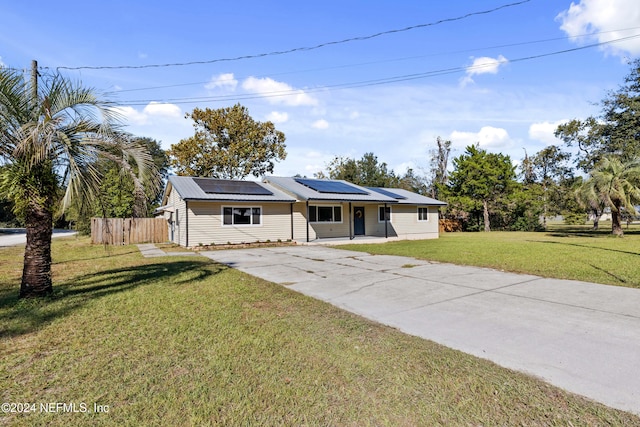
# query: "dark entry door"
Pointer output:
{"type": "Point", "coordinates": [358, 220]}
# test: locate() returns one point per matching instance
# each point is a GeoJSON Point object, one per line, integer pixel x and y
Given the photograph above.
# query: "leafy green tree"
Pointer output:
{"type": "Point", "coordinates": [50, 138]}
{"type": "Point", "coordinates": [413, 182]}
{"type": "Point", "coordinates": [7, 217]}
{"type": "Point", "coordinates": [344, 168]}
{"type": "Point", "coordinates": [589, 201]}
{"type": "Point", "coordinates": [118, 197]}
{"type": "Point", "coordinates": [367, 171]}
{"type": "Point", "coordinates": [228, 143]}
{"type": "Point", "coordinates": [482, 178]}
{"type": "Point", "coordinates": [551, 170]}
{"type": "Point", "coordinates": [617, 185]}
{"type": "Point", "coordinates": [615, 132]}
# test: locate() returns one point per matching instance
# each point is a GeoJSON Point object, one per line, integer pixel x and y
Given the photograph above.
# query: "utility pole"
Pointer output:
{"type": "Point", "coordinates": [34, 81]}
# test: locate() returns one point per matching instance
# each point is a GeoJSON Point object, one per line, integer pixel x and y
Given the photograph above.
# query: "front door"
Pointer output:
{"type": "Point", "coordinates": [358, 220]}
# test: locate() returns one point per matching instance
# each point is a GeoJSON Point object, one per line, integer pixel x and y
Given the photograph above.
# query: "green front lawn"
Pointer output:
{"type": "Point", "coordinates": [563, 252]}
{"type": "Point", "coordinates": [185, 341]}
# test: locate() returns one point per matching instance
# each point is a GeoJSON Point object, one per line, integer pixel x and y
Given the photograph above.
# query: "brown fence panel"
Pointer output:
{"type": "Point", "coordinates": [125, 231]}
{"type": "Point", "coordinates": [106, 230]}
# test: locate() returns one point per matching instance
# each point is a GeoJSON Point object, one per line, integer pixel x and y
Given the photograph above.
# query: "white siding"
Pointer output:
{"type": "Point", "coordinates": [205, 224]}
{"type": "Point", "coordinates": [372, 226]}
{"type": "Point", "coordinates": [332, 229]}
{"type": "Point", "coordinates": [406, 225]}
{"type": "Point", "coordinates": [300, 223]}
{"type": "Point", "coordinates": [404, 222]}
{"type": "Point", "coordinates": [179, 218]}
{"type": "Point", "coordinates": [204, 221]}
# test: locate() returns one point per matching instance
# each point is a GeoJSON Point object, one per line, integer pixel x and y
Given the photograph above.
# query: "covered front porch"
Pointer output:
{"type": "Point", "coordinates": [326, 221]}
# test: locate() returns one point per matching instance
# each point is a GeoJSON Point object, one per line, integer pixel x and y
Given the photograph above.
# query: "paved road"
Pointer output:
{"type": "Point", "coordinates": [580, 336]}
{"type": "Point", "coordinates": [17, 236]}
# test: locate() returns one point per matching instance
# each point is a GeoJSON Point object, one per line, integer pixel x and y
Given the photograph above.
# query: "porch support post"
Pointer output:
{"type": "Point", "coordinates": [307, 221]}
{"type": "Point", "coordinates": [186, 216]}
{"type": "Point", "coordinates": [386, 222]}
{"type": "Point", "coordinates": [350, 223]}
{"type": "Point", "coordinates": [291, 214]}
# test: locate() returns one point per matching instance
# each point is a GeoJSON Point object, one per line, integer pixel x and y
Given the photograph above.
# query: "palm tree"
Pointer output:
{"type": "Point", "coordinates": [51, 137]}
{"type": "Point", "coordinates": [617, 185]}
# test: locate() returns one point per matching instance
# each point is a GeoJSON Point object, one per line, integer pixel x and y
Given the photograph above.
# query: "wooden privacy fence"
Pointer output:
{"type": "Point", "coordinates": [125, 231]}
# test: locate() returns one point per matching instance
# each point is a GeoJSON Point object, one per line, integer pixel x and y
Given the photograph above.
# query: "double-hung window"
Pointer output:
{"type": "Point", "coordinates": [423, 214]}
{"type": "Point", "coordinates": [325, 213]}
{"type": "Point", "coordinates": [241, 215]}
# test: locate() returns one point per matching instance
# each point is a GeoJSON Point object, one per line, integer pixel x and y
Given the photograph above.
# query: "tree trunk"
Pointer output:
{"type": "Point", "coordinates": [616, 226]}
{"type": "Point", "coordinates": [487, 224]}
{"type": "Point", "coordinates": [36, 273]}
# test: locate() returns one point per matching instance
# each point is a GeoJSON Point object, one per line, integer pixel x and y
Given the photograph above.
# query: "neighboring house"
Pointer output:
{"type": "Point", "coordinates": [213, 211]}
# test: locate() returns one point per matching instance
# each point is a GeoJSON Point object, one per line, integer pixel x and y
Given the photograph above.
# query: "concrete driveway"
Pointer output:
{"type": "Point", "coordinates": [582, 337]}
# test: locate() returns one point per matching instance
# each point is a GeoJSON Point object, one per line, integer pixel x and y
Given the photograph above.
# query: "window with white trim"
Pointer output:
{"type": "Point", "coordinates": [384, 213]}
{"type": "Point", "coordinates": [325, 213]}
{"type": "Point", "coordinates": [241, 215]}
{"type": "Point", "coordinates": [423, 214]}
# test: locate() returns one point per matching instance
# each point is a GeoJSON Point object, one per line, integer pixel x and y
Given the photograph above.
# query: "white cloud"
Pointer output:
{"type": "Point", "coordinates": [142, 55]}
{"type": "Point", "coordinates": [314, 154]}
{"type": "Point", "coordinates": [162, 122]}
{"type": "Point", "coordinates": [151, 111]}
{"type": "Point", "coordinates": [132, 116]}
{"type": "Point", "coordinates": [277, 117]}
{"type": "Point", "coordinates": [605, 21]}
{"type": "Point", "coordinates": [543, 131]}
{"type": "Point", "coordinates": [488, 137]}
{"type": "Point", "coordinates": [483, 65]}
{"type": "Point", "coordinates": [2, 64]}
{"type": "Point", "coordinates": [278, 92]}
{"type": "Point", "coordinates": [320, 124]}
{"type": "Point", "coordinates": [162, 109]}
{"type": "Point", "coordinates": [224, 81]}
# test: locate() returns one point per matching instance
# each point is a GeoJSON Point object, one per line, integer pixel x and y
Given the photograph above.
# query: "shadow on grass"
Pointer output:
{"type": "Point", "coordinates": [618, 278]}
{"type": "Point", "coordinates": [18, 317]}
{"type": "Point", "coordinates": [568, 231]}
{"type": "Point", "coordinates": [586, 247]}
{"type": "Point", "coordinates": [108, 253]}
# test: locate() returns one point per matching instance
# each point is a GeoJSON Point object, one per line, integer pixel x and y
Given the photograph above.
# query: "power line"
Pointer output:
{"type": "Point", "coordinates": [391, 60]}
{"type": "Point", "coordinates": [300, 49]}
{"type": "Point", "coordinates": [365, 83]}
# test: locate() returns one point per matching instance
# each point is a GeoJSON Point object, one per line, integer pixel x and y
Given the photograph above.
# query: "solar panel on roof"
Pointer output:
{"type": "Point", "coordinates": [224, 186]}
{"type": "Point", "coordinates": [387, 193]}
{"type": "Point", "coordinates": [336, 187]}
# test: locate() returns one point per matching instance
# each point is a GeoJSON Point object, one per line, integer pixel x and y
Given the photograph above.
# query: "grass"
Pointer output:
{"type": "Point", "coordinates": [186, 341]}
{"type": "Point", "coordinates": [563, 252]}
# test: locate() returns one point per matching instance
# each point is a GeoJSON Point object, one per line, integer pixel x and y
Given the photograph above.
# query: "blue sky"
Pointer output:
{"type": "Point", "coordinates": [470, 78]}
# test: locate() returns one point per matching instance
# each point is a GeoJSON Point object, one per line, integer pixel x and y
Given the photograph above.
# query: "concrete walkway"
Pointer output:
{"type": "Point", "coordinates": [580, 336]}
{"type": "Point", "coordinates": [149, 250]}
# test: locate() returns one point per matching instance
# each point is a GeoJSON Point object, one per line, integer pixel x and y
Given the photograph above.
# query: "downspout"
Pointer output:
{"type": "Point", "coordinates": [292, 220]}
{"type": "Point", "coordinates": [350, 223]}
{"type": "Point", "coordinates": [386, 222]}
{"type": "Point", "coordinates": [307, 221]}
{"type": "Point", "coordinates": [186, 215]}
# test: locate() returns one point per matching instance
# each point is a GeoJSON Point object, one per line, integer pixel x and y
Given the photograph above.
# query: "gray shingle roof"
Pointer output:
{"type": "Point", "coordinates": [189, 190]}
